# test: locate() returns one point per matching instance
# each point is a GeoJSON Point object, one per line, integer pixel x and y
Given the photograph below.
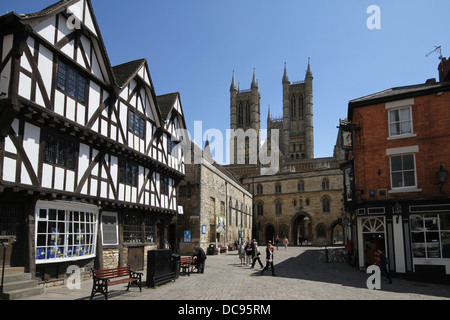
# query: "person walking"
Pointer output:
{"type": "Point", "coordinates": [277, 241]}
{"type": "Point", "coordinates": [242, 251]}
{"type": "Point", "coordinates": [256, 253]}
{"type": "Point", "coordinates": [269, 258]}
{"type": "Point", "coordinates": [300, 240]}
{"type": "Point", "coordinates": [201, 258]}
{"type": "Point", "coordinates": [285, 242]}
{"type": "Point", "coordinates": [381, 261]}
{"type": "Point", "coordinates": [248, 253]}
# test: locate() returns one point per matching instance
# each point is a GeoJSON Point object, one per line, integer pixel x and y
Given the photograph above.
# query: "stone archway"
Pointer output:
{"type": "Point", "coordinates": [337, 234]}
{"type": "Point", "coordinates": [301, 224]}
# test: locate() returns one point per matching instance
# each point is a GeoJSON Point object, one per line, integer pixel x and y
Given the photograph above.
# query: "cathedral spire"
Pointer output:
{"type": "Point", "coordinates": [285, 76]}
{"type": "Point", "coordinates": [308, 72]}
{"type": "Point", "coordinates": [233, 84]}
{"type": "Point", "coordinates": [254, 82]}
{"type": "Point", "coordinates": [269, 115]}
{"type": "Point", "coordinates": [207, 152]}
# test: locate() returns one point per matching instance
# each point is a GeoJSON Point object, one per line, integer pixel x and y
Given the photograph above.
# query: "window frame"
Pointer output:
{"type": "Point", "coordinates": [414, 170]}
{"type": "Point", "coordinates": [59, 151]}
{"type": "Point", "coordinates": [428, 245]}
{"type": "Point", "coordinates": [136, 124]}
{"type": "Point", "coordinates": [278, 208]}
{"type": "Point", "coordinates": [76, 245]}
{"type": "Point", "coordinates": [164, 185]}
{"type": "Point", "coordinates": [126, 173]}
{"type": "Point", "coordinates": [71, 82]}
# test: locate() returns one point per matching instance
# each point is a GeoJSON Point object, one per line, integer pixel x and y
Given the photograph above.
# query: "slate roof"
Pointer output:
{"type": "Point", "coordinates": [166, 102]}
{"type": "Point", "coordinates": [398, 93]}
{"type": "Point", "coordinates": [123, 72]}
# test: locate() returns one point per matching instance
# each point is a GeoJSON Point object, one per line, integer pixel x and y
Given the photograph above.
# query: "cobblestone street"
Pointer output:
{"type": "Point", "coordinates": [299, 276]}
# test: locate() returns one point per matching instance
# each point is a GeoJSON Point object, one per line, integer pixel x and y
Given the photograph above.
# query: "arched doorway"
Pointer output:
{"type": "Point", "coordinates": [269, 233]}
{"type": "Point", "coordinates": [301, 225]}
{"type": "Point", "coordinates": [373, 238]}
{"type": "Point", "coordinates": [337, 234]}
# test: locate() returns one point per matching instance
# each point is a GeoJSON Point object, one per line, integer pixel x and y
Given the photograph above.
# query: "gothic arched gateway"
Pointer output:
{"type": "Point", "coordinates": [301, 224]}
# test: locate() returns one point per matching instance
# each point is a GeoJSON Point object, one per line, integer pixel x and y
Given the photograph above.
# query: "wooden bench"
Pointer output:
{"type": "Point", "coordinates": [187, 265]}
{"type": "Point", "coordinates": [110, 277]}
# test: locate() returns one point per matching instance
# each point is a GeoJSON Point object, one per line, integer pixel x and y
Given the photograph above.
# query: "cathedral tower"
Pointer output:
{"type": "Point", "coordinates": [298, 129]}
{"type": "Point", "coordinates": [245, 115]}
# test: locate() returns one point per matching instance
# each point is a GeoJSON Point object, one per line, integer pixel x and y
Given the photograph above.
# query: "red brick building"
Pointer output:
{"type": "Point", "coordinates": [397, 141]}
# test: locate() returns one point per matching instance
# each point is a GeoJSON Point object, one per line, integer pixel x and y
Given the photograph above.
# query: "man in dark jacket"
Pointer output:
{"type": "Point", "coordinates": [381, 261]}
{"type": "Point", "coordinates": [201, 257]}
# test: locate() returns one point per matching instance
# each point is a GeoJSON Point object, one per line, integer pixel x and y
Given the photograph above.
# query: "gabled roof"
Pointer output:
{"type": "Point", "coordinates": [33, 19]}
{"type": "Point", "coordinates": [166, 103]}
{"type": "Point", "coordinates": [127, 71]}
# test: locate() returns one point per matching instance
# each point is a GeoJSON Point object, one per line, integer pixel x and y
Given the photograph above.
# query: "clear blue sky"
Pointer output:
{"type": "Point", "coordinates": [193, 47]}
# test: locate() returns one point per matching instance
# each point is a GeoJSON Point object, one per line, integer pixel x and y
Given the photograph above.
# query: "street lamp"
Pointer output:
{"type": "Point", "coordinates": [442, 177]}
{"type": "Point", "coordinates": [397, 210]}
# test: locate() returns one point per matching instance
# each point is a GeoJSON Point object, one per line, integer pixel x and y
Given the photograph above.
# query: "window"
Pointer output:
{"type": "Point", "coordinates": [136, 124]}
{"type": "Point", "coordinates": [109, 225]}
{"type": "Point", "coordinates": [172, 147]}
{"type": "Point", "coordinates": [301, 186]}
{"type": "Point", "coordinates": [240, 114]}
{"type": "Point", "coordinates": [325, 184]}
{"type": "Point", "coordinates": [277, 188]}
{"type": "Point", "coordinates": [164, 185]}
{"type": "Point", "coordinates": [259, 209]}
{"type": "Point", "coordinates": [65, 232]}
{"type": "Point", "coordinates": [430, 234]}
{"type": "Point", "coordinates": [326, 205]}
{"type": "Point", "coordinates": [403, 173]}
{"type": "Point", "coordinates": [400, 121]}
{"type": "Point", "coordinates": [247, 113]}
{"type": "Point", "coordinates": [278, 208]}
{"type": "Point", "coordinates": [59, 151]}
{"type": "Point", "coordinates": [259, 189]}
{"type": "Point", "coordinates": [128, 173]}
{"type": "Point", "coordinates": [300, 107]}
{"type": "Point", "coordinates": [132, 229]}
{"type": "Point", "coordinates": [71, 82]}
{"type": "Point", "coordinates": [293, 110]}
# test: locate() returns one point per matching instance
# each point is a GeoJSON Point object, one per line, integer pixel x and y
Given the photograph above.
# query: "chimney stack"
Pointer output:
{"type": "Point", "coordinates": [444, 70]}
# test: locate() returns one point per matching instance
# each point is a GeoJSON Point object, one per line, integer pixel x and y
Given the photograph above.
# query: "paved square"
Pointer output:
{"type": "Point", "coordinates": [299, 276]}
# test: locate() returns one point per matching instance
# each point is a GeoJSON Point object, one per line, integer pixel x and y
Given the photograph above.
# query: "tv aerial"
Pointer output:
{"type": "Point", "coordinates": [436, 49]}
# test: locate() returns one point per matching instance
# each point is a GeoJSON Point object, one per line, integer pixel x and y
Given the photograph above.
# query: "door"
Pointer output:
{"type": "Point", "coordinates": [9, 224]}
{"type": "Point", "coordinates": [373, 238]}
{"type": "Point", "coordinates": [136, 258]}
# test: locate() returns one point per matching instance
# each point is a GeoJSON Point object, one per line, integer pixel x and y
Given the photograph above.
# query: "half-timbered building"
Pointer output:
{"type": "Point", "coordinates": [88, 161]}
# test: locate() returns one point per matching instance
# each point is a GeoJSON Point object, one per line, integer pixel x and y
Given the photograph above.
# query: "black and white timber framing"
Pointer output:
{"type": "Point", "coordinates": [85, 165]}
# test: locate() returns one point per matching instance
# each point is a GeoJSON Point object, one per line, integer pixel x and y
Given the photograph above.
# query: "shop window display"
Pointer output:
{"type": "Point", "coordinates": [65, 234]}
{"type": "Point", "coordinates": [430, 235]}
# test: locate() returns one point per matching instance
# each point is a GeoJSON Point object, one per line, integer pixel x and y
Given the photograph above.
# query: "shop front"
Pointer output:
{"type": "Point", "coordinates": [415, 237]}
{"type": "Point", "coordinates": [65, 234]}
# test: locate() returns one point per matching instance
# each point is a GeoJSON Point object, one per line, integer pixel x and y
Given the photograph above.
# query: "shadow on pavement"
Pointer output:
{"type": "Point", "coordinates": [307, 266]}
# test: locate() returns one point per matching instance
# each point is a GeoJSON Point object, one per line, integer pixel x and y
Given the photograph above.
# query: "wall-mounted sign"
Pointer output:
{"type": "Point", "coordinates": [187, 236]}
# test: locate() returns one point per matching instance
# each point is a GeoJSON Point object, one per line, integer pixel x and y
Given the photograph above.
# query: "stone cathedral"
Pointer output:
{"type": "Point", "coordinates": [302, 199]}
